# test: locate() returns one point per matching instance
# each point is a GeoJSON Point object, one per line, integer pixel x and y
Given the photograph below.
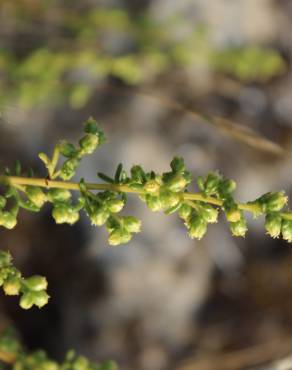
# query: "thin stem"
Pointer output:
{"type": "Point", "coordinates": [48, 184]}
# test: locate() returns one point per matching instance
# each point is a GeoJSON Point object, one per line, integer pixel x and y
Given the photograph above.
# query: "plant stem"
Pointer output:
{"type": "Point", "coordinates": [48, 184]}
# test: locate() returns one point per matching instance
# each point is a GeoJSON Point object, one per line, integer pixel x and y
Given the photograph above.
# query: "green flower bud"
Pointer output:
{"type": "Point", "coordinates": [132, 224]}
{"type": "Point", "coordinates": [169, 199]}
{"type": "Point", "coordinates": [89, 143]}
{"type": "Point", "coordinates": [8, 220]}
{"type": "Point", "coordinates": [177, 164]}
{"type": "Point", "coordinates": [99, 216]}
{"type": "Point", "coordinates": [273, 224]}
{"type": "Point", "coordinates": [154, 203]}
{"type": "Point", "coordinates": [197, 226]}
{"type": "Point", "coordinates": [2, 202]}
{"type": "Point", "coordinates": [27, 300]}
{"type": "Point", "coordinates": [60, 213]}
{"type": "Point", "coordinates": [238, 228]}
{"type": "Point", "coordinates": [90, 126]}
{"type": "Point", "coordinates": [12, 286]}
{"type": "Point", "coordinates": [36, 195]}
{"type": "Point", "coordinates": [36, 283]}
{"type": "Point", "coordinates": [209, 213]}
{"type": "Point", "coordinates": [119, 236]}
{"type": "Point", "coordinates": [5, 259]}
{"type": "Point", "coordinates": [67, 149]}
{"type": "Point", "coordinates": [227, 186]}
{"type": "Point", "coordinates": [176, 184]}
{"type": "Point", "coordinates": [232, 213]}
{"type": "Point", "coordinates": [68, 168]}
{"type": "Point", "coordinates": [41, 298]}
{"type": "Point", "coordinates": [185, 211]}
{"type": "Point", "coordinates": [50, 365]}
{"type": "Point", "coordinates": [81, 363]}
{"type": "Point", "coordinates": [115, 205]}
{"type": "Point", "coordinates": [73, 217]}
{"type": "Point", "coordinates": [152, 187]}
{"type": "Point", "coordinates": [58, 195]}
{"type": "Point", "coordinates": [287, 230]}
{"type": "Point", "coordinates": [212, 183]}
{"type": "Point", "coordinates": [273, 202]}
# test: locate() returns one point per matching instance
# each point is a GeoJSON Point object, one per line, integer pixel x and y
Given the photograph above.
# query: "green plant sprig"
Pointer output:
{"type": "Point", "coordinates": [12, 353]}
{"type": "Point", "coordinates": [32, 289]}
{"type": "Point", "coordinates": [103, 202]}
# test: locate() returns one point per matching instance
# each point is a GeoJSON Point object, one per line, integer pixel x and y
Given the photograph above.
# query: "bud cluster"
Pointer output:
{"type": "Point", "coordinates": [32, 289]}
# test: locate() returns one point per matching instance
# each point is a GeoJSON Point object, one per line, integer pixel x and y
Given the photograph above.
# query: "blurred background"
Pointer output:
{"type": "Point", "coordinates": [209, 80]}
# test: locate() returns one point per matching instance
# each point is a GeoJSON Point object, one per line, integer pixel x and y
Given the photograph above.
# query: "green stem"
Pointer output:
{"type": "Point", "coordinates": [46, 183]}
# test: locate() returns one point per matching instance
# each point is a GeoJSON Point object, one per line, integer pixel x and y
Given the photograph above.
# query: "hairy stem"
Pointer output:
{"type": "Point", "coordinates": [46, 183]}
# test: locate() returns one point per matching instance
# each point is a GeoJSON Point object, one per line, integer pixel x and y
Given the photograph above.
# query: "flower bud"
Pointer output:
{"type": "Point", "coordinates": [8, 220]}
{"type": "Point", "coordinates": [154, 203]}
{"type": "Point", "coordinates": [58, 195]}
{"type": "Point", "coordinates": [73, 217]}
{"type": "Point", "coordinates": [185, 211]}
{"type": "Point", "coordinates": [287, 230]}
{"type": "Point", "coordinates": [238, 228]}
{"type": "Point", "coordinates": [169, 199]}
{"type": "Point", "coordinates": [68, 168]}
{"type": "Point", "coordinates": [177, 164]}
{"type": "Point", "coordinates": [12, 286]}
{"type": "Point", "coordinates": [209, 213]}
{"type": "Point", "coordinates": [36, 195]}
{"type": "Point", "coordinates": [197, 226]}
{"type": "Point", "coordinates": [115, 205]}
{"type": "Point", "coordinates": [227, 186]}
{"type": "Point", "coordinates": [60, 213]}
{"type": "Point", "coordinates": [119, 236]}
{"type": "Point", "coordinates": [132, 224]}
{"type": "Point", "coordinates": [232, 212]}
{"type": "Point", "coordinates": [88, 143]}
{"type": "Point", "coordinates": [273, 202]}
{"type": "Point", "coordinates": [2, 202]}
{"type": "Point", "coordinates": [40, 298]}
{"type": "Point", "coordinates": [67, 149]}
{"type": "Point", "coordinates": [36, 283]}
{"type": "Point", "coordinates": [273, 224]}
{"type": "Point", "coordinates": [176, 184]}
{"type": "Point", "coordinates": [50, 365]}
{"type": "Point", "coordinates": [152, 187]}
{"type": "Point", "coordinates": [212, 183]}
{"type": "Point", "coordinates": [27, 300]}
{"type": "Point", "coordinates": [99, 216]}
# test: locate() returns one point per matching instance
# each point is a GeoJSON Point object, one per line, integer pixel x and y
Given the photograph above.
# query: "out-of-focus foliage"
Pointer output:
{"type": "Point", "coordinates": [71, 51]}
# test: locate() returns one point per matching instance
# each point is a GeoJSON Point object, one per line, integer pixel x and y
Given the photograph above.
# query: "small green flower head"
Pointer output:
{"type": "Point", "coordinates": [88, 143]}
{"type": "Point", "coordinates": [209, 213]}
{"type": "Point", "coordinates": [99, 215]}
{"type": "Point", "coordinates": [212, 183]}
{"type": "Point", "coordinates": [273, 202]}
{"type": "Point", "coordinates": [115, 205]}
{"type": "Point", "coordinates": [12, 285]}
{"type": "Point", "coordinates": [154, 203]}
{"type": "Point", "coordinates": [27, 300]}
{"type": "Point", "coordinates": [273, 224]}
{"type": "Point", "coordinates": [67, 149]}
{"type": "Point", "coordinates": [36, 195]}
{"type": "Point", "coordinates": [185, 211]}
{"type": "Point", "coordinates": [8, 220]}
{"type": "Point", "coordinates": [2, 202]}
{"type": "Point", "coordinates": [64, 213]}
{"type": "Point", "coordinates": [152, 187]}
{"type": "Point", "coordinates": [40, 298]}
{"type": "Point", "coordinates": [169, 199]}
{"type": "Point", "coordinates": [287, 230]}
{"type": "Point", "coordinates": [91, 127]}
{"type": "Point", "coordinates": [232, 212]}
{"type": "Point", "coordinates": [197, 226]}
{"type": "Point", "coordinates": [119, 236]}
{"type": "Point", "coordinates": [36, 283]}
{"type": "Point", "coordinates": [132, 224]}
{"type": "Point", "coordinates": [227, 186]}
{"type": "Point", "coordinates": [239, 228]}
{"type": "Point", "coordinates": [58, 195]}
{"type": "Point", "coordinates": [176, 183]}
{"type": "Point", "coordinates": [68, 168]}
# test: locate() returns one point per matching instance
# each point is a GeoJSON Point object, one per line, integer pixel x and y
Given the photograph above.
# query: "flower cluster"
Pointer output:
{"type": "Point", "coordinates": [12, 352]}
{"type": "Point", "coordinates": [32, 289]}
